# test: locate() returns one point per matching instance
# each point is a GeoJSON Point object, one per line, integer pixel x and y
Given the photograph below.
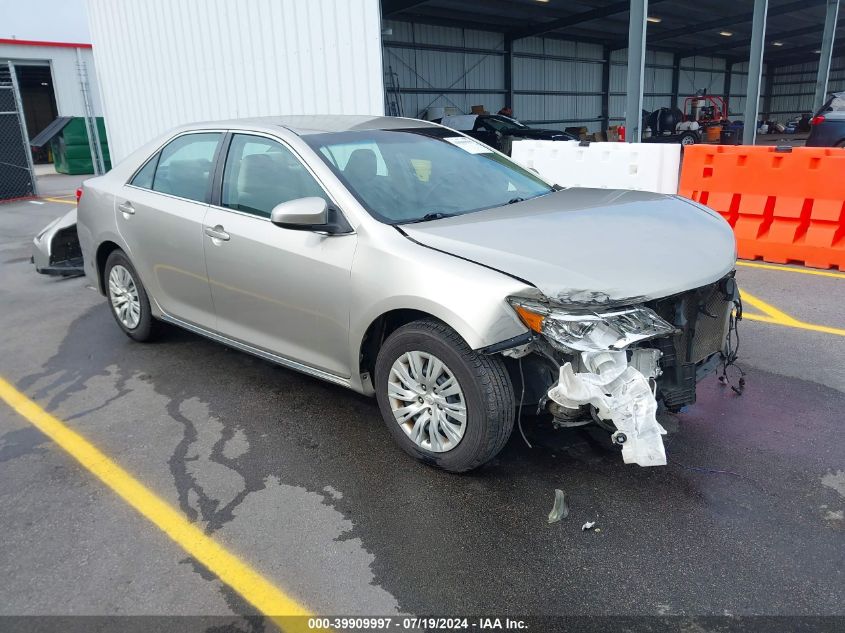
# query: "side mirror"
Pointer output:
{"type": "Point", "coordinates": [303, 214]}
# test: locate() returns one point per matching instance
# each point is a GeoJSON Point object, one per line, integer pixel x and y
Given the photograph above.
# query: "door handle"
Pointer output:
{"type": "Point", "coordinates": [127, 208]}
{"type": "Point", "coordinates": [217, 233]}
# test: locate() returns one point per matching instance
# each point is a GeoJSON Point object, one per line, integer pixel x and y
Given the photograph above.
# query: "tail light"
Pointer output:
{"type": "Point", "coordinates": [819, 118]}
{"type": "Point", "coordinates": [78, 194]}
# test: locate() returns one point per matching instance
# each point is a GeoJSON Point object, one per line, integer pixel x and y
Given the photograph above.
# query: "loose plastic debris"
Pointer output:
{"type": "Point", "coordinates": [560, 509]}
{"type": "Point", "coordinates": [620, 393]}
{"type": "Point", "coordinates": [589, 525]}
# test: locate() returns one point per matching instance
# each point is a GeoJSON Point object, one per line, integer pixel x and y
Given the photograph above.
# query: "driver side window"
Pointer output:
{"type": "Point", "coordinates": [261, 173]}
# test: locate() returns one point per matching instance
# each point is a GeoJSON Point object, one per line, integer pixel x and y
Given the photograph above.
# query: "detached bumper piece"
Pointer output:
{"type": "Point", "coordinates": [56, 250]}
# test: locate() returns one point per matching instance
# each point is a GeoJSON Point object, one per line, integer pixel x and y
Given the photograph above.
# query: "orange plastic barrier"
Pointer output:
{"type": "Point", "coordinates": [784, 206]}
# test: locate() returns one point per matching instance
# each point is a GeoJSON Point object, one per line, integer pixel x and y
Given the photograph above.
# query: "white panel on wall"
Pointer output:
{"type": "Point", "coordinates": [62, 61]}
{"type": "Point", "coordinates": [162, 63]}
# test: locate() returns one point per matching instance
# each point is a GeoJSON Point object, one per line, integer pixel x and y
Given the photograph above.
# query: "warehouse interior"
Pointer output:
{"type": "Point", "coordinates": [565, 64]}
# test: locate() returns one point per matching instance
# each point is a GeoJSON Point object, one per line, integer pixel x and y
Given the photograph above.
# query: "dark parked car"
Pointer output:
{"type": "Point", "coordinates": [828, 126]}
{"type": "Point", "coordinates": [497, 130]}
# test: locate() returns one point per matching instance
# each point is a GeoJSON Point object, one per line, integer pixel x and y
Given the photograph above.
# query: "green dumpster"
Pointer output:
{"type": "Point", "coordinates": [71, 152]}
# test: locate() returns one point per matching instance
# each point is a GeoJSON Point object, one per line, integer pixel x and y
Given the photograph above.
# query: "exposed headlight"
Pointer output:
{"type": "Point", "coordinates": [591, 332]}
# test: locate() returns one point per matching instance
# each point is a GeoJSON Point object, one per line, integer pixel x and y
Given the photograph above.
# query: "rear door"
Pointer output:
{"type": "Point", "coordinates": [160, 215]}
{"type": "Point", "coordinates": [281, 290]}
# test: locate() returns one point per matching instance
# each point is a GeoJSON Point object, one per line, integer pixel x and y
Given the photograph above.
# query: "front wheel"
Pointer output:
{"type": "Point", "coordinates": [128, 300]}
{"type": "Point", "coordinates": [442, 402]}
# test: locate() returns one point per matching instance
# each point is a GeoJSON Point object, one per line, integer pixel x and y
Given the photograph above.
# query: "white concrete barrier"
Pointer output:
{"type": "Point", "coordinates": [639, 166]}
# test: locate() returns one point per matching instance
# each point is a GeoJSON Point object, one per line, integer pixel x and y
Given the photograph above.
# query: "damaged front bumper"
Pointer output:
{"type": "Point", "coordinates": [613, 368]}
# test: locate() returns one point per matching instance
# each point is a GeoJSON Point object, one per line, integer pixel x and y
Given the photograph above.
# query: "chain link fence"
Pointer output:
{"type": "Point", "coordinates": [16, 175]}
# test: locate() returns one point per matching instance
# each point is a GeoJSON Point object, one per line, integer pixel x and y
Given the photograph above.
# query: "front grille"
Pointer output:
{"type": "Point", "coordinates": [702, 316]}
{"type": "Point", "coordinates": [711, 327]}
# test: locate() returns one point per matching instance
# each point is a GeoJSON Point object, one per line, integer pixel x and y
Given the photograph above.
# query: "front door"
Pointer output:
{"type": "Point", "coordinates": [160, 215]}
{"type": "Point", "coordinates": [281, 290]}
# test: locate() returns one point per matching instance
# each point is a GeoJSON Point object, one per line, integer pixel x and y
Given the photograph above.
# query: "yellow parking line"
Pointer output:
{"type": "Point", "coordinates": [789, 269]}
{"type": "Point", "coordinates": [257, 590]}
{"type": "Point", "coordinates": [772, 315]}
{"type": "Point", "coordinates": [73, 202]}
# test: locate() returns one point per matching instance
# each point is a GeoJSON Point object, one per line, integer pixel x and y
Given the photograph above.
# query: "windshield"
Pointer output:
{"type": "Point", "coordinates": [418, 174]}
{"type": "Point", "coordinates": [836, 103]}
{"type": "Point", "coordinates": [503, 123]}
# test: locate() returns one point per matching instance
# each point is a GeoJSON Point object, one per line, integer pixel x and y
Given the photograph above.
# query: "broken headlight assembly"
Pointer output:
{"type": "Point", "coordinates": [591, 331]}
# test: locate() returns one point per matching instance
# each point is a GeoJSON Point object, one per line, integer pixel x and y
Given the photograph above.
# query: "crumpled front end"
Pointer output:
{"type": "Point", "coordinates": [613, 368]}
{"type": "Point", "coordinates": [619, 392]}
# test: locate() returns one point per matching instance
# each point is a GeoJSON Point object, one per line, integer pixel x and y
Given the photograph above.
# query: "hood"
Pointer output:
{"type": "Point", "coordinates": [593, 246]}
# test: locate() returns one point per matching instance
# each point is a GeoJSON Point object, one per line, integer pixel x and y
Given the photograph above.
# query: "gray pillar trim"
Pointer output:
{"type": "Point", "coordinates": [828, 37]}
{"type": "Point", "coordinates": [605, 90]}
{"type": "Point", "coordinates": [509, 94]}
{"type": "Point", "coordinates": [636, 69]}
{"type": "Point", "coordinates": [755, 71]}
{"type": "Point", "coordinates": [676, 78]}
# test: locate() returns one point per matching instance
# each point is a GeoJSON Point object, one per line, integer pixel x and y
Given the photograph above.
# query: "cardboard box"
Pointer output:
{"type": "Point", "coordinates": [478, 109]}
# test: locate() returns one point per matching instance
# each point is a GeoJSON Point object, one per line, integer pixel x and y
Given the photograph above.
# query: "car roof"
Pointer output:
{"type": "Point", "coordinates": [304, 125]}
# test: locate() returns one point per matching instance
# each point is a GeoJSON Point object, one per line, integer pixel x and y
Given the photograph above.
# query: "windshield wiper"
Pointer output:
{"type": "Point", "coordinates": [515, 200]}
{"type": "Point", "coordinates": [435, 215]}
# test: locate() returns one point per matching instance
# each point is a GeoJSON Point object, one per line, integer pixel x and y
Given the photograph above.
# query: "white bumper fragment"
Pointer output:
{"type": "Point", "coordinates": [619, 392]}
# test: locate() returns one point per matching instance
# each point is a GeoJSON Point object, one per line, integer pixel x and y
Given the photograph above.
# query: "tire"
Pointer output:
{"type": "Point", "coordinates": [144, 327]}
{"type": "Point", "coordinates": [688, 138]}
{"type": "Point", "coordinates": [486, 394]}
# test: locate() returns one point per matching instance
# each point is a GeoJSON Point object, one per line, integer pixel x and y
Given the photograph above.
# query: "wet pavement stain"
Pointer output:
{"type": "Point", "coordinates": [14, 444]}
{"type": "Point", "coordinates": [212, 467]}
{"type": "Point", "coordinates": [685, 535]}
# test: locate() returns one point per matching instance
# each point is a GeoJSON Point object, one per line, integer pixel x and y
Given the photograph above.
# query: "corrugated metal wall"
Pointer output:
{"type": "Point", "coordinates": [793, 87]}
{"type": "Point", "coordinates": [429, 74]}
{"type": "Point", "coordinates": [166, 62]}
{"type": "Point", "coordinates": [556, 83]}
{"type": "Point", "coordinates": [62, 62]}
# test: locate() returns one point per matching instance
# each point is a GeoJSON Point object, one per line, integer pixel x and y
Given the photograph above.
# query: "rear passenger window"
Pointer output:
{"type": "Point", "coordinates": [185, 165]}
{"type": "Point", "coordinates": [261, 173]}
{"type": "Point", "coordinates": [144, 177]}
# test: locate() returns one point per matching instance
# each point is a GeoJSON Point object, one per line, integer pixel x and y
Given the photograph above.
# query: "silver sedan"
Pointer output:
{"type": "Point", "coordinates": [405, 260]}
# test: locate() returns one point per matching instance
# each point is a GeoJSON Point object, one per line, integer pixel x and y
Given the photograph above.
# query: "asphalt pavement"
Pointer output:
{"type": "Point", "coordinates": [300, 479]}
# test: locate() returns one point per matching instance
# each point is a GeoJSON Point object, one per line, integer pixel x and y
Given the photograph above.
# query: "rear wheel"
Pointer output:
{"type": "Point", "coordinates": [128, 299]}
{"type": "Point", "coordinates": [689, 138]}
{"type": "Point", "coordinates": [442, 402]}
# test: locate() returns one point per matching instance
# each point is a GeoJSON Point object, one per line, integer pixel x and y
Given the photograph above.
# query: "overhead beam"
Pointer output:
{"type": "Point", "coordinates": [575, 18]}
{"type": "Point", "coordinates": [731, 43]}
{"type": "Point", "coordinates": [727, 21]}
{"type": "Point", "coordinates": [830, 22]}
{"type": "Point", "coordinates": [795, 52]}
{"type": "Point", "coordinates": [755, 71]}
{"type": "Point", "coordinates": [636, 68]}
{"type": "Point", "coordinates": [389, 7]}
{"type": "Point", "coordinates": [806, 58]}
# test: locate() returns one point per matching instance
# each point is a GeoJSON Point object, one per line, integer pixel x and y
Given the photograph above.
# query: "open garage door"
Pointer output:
{"type": "Point", "coordinates": [16, 174]}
